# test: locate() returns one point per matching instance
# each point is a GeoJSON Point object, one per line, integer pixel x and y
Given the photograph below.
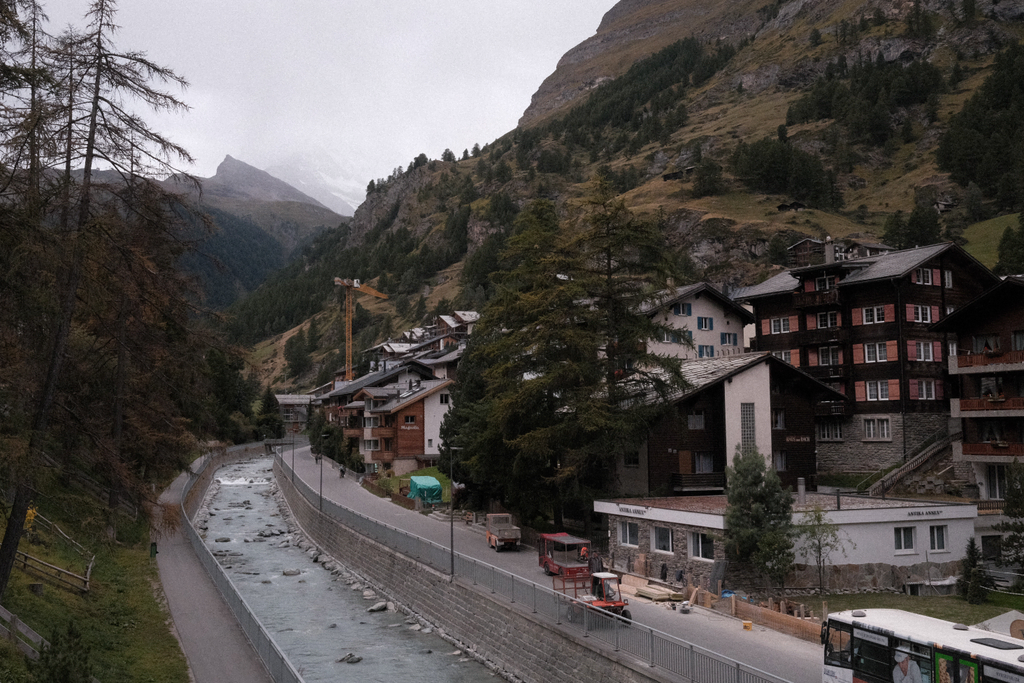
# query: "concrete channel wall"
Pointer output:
{"type": "Point", "coordinates": [509, 636]}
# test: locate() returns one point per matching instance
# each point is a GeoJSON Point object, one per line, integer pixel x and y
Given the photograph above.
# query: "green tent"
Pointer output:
{"type": "Point", "coordinates": [426, 489]}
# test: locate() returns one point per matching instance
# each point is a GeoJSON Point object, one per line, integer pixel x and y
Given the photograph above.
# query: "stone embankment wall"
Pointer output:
{"type": "Point", "coordinates": [507, 635]}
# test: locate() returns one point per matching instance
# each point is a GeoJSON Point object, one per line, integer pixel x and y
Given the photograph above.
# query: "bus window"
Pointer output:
{"type": "Point", "coordinates": [871, 661]}
{"type": "Point", "coordinates": [918, 666]}
{"type": "Point", "coordinates": [838, 645]}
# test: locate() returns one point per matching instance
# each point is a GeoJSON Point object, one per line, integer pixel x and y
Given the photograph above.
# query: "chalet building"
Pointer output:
{"type": "Point", "coordinates": [400, 424]}
{"type": "Point", "coordinates": [810, 251]}
{"type": "Point", "coordinates": [887, 543]}
{"type": "Point", "coordinates": [750, 400]}
{"type": "Point", "coordinates": [336, 402]}
{"type": "Point", "coordinates": [707, 323]}
{"type": "Point", "coordinates": [865, 327]}
{"type": "Point", "coordinates": [294, 410]}
{"type": "Point", "coordinates": [988, 370]}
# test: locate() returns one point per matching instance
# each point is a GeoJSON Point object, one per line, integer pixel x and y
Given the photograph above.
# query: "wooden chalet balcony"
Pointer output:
{"type": "Point", "coordinates": [1008, 403]}
{"type": "Point", "coordinates": [831, 408]}
{"type": "Point", "coordinates": [710, 481]}
{"type": "Point", "coordinates": [383, 432]}
{"type": "Point", "coordinates": [991, 506]}
{"type": "Point", "coordinates": [824, 335]}
{"type": "Point", "coordinates": [827, 297]}
{"type": "Point", "coordinates": [1003, 448]}
{"type": "Point", "coordinates": [353, 432]}
{"type": "Point", "coordinates": [973, 360]}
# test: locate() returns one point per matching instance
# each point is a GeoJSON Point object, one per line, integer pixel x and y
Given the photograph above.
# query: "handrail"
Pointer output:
{"type": "Point", "coordinates": [928, 448]}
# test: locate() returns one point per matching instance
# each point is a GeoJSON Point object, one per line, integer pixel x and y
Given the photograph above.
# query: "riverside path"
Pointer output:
{"type": "Point", "coordinates": [781, 655]}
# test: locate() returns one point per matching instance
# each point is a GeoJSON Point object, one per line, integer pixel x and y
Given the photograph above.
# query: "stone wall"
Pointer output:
{"type": "Point", "coordinates": [853, 454]}
{"type": "Point", "coordinates": [506, 634]}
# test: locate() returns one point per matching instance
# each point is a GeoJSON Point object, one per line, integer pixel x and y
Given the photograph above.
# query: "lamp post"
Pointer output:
{"type": "Point", "coordinates": [293, 457]}
{"type": "Point", "coordinates": [321, 459]}
{"type": "Point", "coordinates": [451, 508]}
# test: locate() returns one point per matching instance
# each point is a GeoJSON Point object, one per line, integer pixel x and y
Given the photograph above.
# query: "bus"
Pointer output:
{"type": "Point", "coordinates": [893, 646]}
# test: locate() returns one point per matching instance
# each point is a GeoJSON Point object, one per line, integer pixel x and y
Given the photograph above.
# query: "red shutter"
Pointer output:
{"type": "Point", "coordinates": [937, 351]}
{"type": "Point", "coordinates": [808, 285]}
{"type": "Point", "coordinates": [858, 353]}
{"type": "Point", "coordinates": [910, 313]}
{"type": "Point", "coordinates": [939, 384]}
{"type": "Point", "coordinates": [894, 390]}
{"type": "Point", "coordinates": [936, 277]}
{"type": "Point", "coordinates": [794, 357]}
{"type": "Point", "coordinates": [913, 277]}
{"type": "Point", "coordinates": [794, 323]}
{"type": "Point", "coordinates": [914, 390]}
{"type": "Point", "coordinates": [935, 314]}
{"type": "Point", "coordinates": [858, 316]}
{"type": "Point", "coordinates": [812, 357]}
{"type": "Point", "coordinates": [892, 350]}
{"type": "Point", "coordinates": [840, 356]}
{"type": "Point", "coordinates": [812, 321]}
{"type": "Point", "coordinates": [766, 326]}
{"type": "Point", "coordinates": [911, 350]}
{"type": "Point", "coordinates": [890, 313]}
{"type": "Point", "coordinates": [839, 318]}
{"type": "Point", "coordinates": [859, 392]}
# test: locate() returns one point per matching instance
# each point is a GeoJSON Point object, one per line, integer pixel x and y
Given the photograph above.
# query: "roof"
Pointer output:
{"type": "Point", "coordinates": [702, 373]}
{"type": "Point", "coordinates": [402, 394]}
{"type": "Point", "coordinates": [782, 283]}
{"type": "Point", "coordinates": [980, 307]}
{"type": "Point", "coordinates": [694, 290]}
{"type": "Point", "coordinates": [293, 399]}
{"type": "Point", "coordinates": [467, 316]}
{"type": "Point", "coordinates": [716, 505]}
{"type": "Point", "coordinates": [379, 377]}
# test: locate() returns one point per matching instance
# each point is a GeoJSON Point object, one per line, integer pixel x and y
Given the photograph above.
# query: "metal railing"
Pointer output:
{"type": "Point", "coordinates": [647, 645]}
{"type": "Point", "coordinates": [273, 657]}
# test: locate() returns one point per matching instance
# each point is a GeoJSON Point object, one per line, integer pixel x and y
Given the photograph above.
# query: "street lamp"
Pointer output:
{"type": "Point", "coordinates": [293, 457]}
{"type": "Point", "coordinates": [451, 508]}
{"type": "Point", "coordinates": [321, 459]}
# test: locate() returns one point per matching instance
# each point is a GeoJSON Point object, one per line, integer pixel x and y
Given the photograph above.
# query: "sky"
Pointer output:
{"type": "Point", "coordinates": [369, 84]}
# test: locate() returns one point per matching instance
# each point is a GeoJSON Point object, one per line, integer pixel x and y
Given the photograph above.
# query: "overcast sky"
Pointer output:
{"type": "Point", "coordinates": [371, 83]}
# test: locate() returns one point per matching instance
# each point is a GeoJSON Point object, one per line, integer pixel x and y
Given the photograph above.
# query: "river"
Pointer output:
{"type": "Point", "coordinates": [317, 616]}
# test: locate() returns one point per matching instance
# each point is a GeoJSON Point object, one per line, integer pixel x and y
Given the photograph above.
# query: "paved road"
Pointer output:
{"type": "Point", "coordinates": [784, 656]}
{"type": "Point", "coordinates": [214, 644]}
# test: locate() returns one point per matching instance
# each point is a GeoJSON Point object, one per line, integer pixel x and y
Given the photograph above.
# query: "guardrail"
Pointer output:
{"type": "Point", "coordinates": [647, 645]}
{"type": "Point", "coordinates": [273, 657]}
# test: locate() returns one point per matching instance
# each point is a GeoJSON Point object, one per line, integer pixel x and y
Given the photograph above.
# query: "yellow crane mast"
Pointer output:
{"type": "Point", "coordinates": [351, 286]}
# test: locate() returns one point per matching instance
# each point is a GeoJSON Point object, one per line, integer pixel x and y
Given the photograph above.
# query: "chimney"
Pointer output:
{"type": "Point", "coordinates": [830, 251]}
{"type": "Point", "coordinates": [801, 491]}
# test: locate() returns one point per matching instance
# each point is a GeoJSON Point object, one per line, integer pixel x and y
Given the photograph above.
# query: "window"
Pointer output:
{"type": "Point", "coordinates": [445, 399]}
{"type": "Point", "coordinates": [702, 546]}
{"type": "Point", "coordinates": [991, 386]}
{"type": "Point", "coordinates": [681, 309]}
{"type": "Point", "coordinates": [828, 319]}
{"type": "Point", "coordinates": [951, 349]}
{"type": "Point", "coordinates": [695, 420]}
{"type": "Point", "coordinates": [875, 352]}
{"type": "Point", "coordinates": [629, 533]}
{"type": "Point", "coordinates": [780, 325]}
{"type": "Point", "coordinates": [631, 459]}
{"type": "Point", "coordinates": [410, 419]}
{"type": "Point", "coordinates": [705, 323]}
{"type": "Point", "coordinates": [703, 462]}
{"type": "Point", "coordinates": [873, 315]}
{"type": "Point", "coordinates": [904, 538]}
{"type": "Point", "coordinates": [371, 422]}
{"type": "Point", "coordinates": [1017, 340]}
{"type": "Point", "coordinates": [948, 277]}
{"type": "Point", "coordinates": [828, 355]}
{"type": "Point", "coordinates": [779, 460]}
{"type": "Point", "coordinates": [926, 389]}
{"type": "Point", "coordinates": [996, 482]}
{"type": "Point", "coordinates": [990, 431]}
{"type": "Point", "coordinates": [430, 443]}
{"type": "Point", "coordinates": [730, 339]}
{"type": "Point", "coordinates": [662, 539]}
{"type": "Point", "coordinates": [877, 429]}
{"type": "Point", "coordinates": [922, 314]}
{"type": "Point", "coordinates": [784, 355]}
{"type": "Point", "coordinates": [937, 537]}
{"type": "Point", "coordinates": [830, 430]}
{"type": "Point", "coordinates": [984, 343]}
{"type": "Point", "coordinates": [877, 390]}
{"type": "Point", "coordinates": [747, 436]}
{"type": "Point", "coordinates": [950, 309]}
{"type": "Point", "coordinates": [705, 351]}
{"type": "Point", "coordinates": [371, 444]}
{"type": "Point", "coordinates": [778, 419]}
{"type": "Point", "coordinates": [924, 351]}
{"type": "Point", "coordinates": [824, 283]}
{"type": "Point", "coordinates": [924, 276]}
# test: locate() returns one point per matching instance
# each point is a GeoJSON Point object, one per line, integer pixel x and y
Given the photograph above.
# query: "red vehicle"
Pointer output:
{"type": "Point", "coordinates": [600, 590]}
{"type": "Point", "coordinates": [563, 555]}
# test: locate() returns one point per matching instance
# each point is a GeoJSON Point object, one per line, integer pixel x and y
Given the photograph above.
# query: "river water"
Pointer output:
{"type": "Point", "coordinates": [317, 616]}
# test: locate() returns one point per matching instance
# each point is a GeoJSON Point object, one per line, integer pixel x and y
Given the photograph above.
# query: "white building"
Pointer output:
{"type": "Point", "coordinates": [700, 313]}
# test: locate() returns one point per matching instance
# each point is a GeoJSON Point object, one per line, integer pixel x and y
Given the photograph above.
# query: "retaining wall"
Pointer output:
{"type": "Point", "coordinates": [508, 635]}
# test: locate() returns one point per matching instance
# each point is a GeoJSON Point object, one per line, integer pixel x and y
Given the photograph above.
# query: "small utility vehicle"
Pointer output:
{"type": "Point", "coordinates": [563, 555]}
{"type": "Point", "coordinates": [599, 590]}
{"type": "Point", "coordinates": [502, 533]}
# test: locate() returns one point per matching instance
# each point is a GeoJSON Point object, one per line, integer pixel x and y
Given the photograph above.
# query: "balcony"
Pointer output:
{"type": "Point", "coordinates": [995, 448]}
{"type": "Point", "coordinates": [973, 360]}
{"type": "Point", "coordinates": [353, 432]}
{"type": "Point", "coordinates": [827, 297]}
{"type": "Point", "coordinates": [824, 335]}
{"type": "Point", "coordinates": [709, 481]}
{"type": "Point", "coordinates": [832, 409]}
{"type": "Point", "coordinates": [383, 432]}
{"type": "Point", "coordinates": [995, 403]}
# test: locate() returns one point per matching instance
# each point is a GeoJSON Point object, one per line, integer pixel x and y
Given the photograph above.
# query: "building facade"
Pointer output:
{"type": "Point", "coordinates": [705, 323]}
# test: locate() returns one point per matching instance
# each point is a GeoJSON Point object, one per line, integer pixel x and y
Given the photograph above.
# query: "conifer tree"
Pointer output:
{"type": "Point", "coordinates": [972, 584]}
{"type": "Point", "coordinates": [1013, 509]}
{"type": "Point", "coordinates": [758, 508]}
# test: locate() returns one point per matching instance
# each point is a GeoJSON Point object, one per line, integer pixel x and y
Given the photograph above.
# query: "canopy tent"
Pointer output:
{"type": "Point", "coordinates": [427, 489]}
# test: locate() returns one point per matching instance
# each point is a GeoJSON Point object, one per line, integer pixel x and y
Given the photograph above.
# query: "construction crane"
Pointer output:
{"type": "Point", "coordinates": [351, 286]}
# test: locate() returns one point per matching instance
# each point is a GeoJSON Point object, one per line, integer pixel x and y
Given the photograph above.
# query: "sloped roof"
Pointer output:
{"type": "Point", "coordinates": [689, 291]}
{"type": "Point", "coordinates": [379, 377]}
{"type": "Point", "coordinates": [402, 394]}
{"type": "Point", "coordinates": [702, 373]}
{"type": "Point", "coordinates": [1010, 291]}
{"type": "Point", "coordinates": [467, 316]}
{"type": "Point", "coordinates": [893, 264]}
{"type": "Point", "coordinates": [779, 284]}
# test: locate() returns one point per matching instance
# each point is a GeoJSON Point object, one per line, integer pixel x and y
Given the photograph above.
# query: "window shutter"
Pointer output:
{"type": "Point", "coordinates": [894, 390]}
{"type": "Point", "coordinates": [937, 351]}
{"type": "Point", "coordinates": [935, 314]}
{"type": "Point", "coordinates": [936, 277]}
{"type": "Point", "coordinates": [711, 321]}
{"type": "Point", "coordinates": [890, 313]}
{"type": "Point", "coordinates": [859, 391]}
{"type": "Point", "coordinates": [812, 321]}
{"type": "Point", "coordinates": [809, 285]}
{"type": "Point", "coordinates": [812, 357]}
{"type": "Point", "coordinates": [794, 323]}
{"type": "Point", "coordinates": [910, 313]}
{"type": "Point", "coordinates": [911, 350]}
{"type": "Point", "coordinates": [689, 309]}
{"type": "Point", "coordinates": [766, 326]}
{"type": "Point", "coordinates": [914, 390]}
{"type": "Point", "coordinates": [892, 350]}
{"type": "Point", "coordinates": [913, 276]}
{"type": "Point", "coordinates": [939, 384]}
{"type": "Point", "coordinates": [858, 354]}
{"type": "Point", "coordinates": [840, 356]}
{"type": "Point", "coordinates": [839, 318]}
{"type": "Point", "coordinates": [794, 357]}
{"type": "Point", "coordinates": [858, 316]}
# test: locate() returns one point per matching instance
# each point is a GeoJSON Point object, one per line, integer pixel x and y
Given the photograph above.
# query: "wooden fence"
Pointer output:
{"type": "Point", "coordinates": [57, 575]}
{"type": "Point", "coordinates": [24, 638]}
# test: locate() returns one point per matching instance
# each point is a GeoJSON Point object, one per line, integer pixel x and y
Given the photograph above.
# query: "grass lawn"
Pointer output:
{"type": "Point", "coordinates": [983, 238]}
{"type": "Point", "coordinates": [950, 608]}
{"type": "Point", "coordinates": [394, 483]}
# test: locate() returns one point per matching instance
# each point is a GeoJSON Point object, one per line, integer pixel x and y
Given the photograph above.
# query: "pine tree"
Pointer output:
{"type": "Point", "coordinates": [972, 584]}
{"type": "Point", "coordinates": [66, 660]}
{"type": "Point", "coordinates": [1013, 509]}
{"type": "Point", "coordinates": [757, 506]}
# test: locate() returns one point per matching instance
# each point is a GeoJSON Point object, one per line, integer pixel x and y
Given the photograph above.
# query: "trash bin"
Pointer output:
{"type": "Point", "coordinates": [152, 549]}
